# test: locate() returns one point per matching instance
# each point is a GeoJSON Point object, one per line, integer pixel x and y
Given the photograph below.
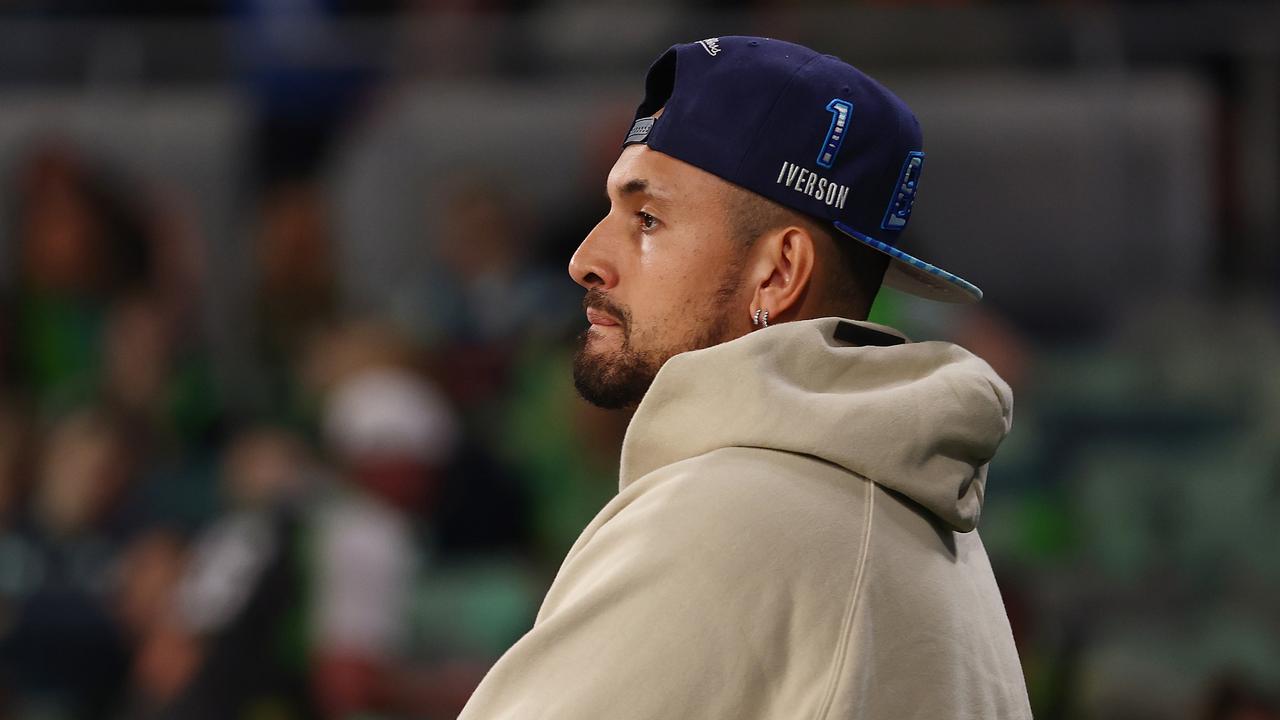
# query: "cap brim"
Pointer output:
{"type": "Point", "coordinates": [915, 276]}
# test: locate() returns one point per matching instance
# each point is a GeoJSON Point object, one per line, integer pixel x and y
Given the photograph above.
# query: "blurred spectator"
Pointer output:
{"type": "Point", "coordinates": [481, 504]}
{"type": "Point", "coordinates": [150, 376]}
{"type": "Point", "coordinates": [487, 307]}
{"type": "Point", "coordinates": [65, 649]}
{"type": "Point", "coordinates": [86, 469]}
{"type": "Point", "coordinates": [163, 395]}
{"type": "Point", "coordinates": [392, 435]}
{"type": "Point", "coordinates": [296, 298]}
{"type": "Point", "coordinates": [229, 644]}
{"type": "Point", "coordinates": [488, 291]}
{"type": "Point", "coordinates": [102, 291]}
{"type": "Point", "coordinates": [166, 655]}
{"type": "Point", "coordinates": [410, 603]}
{"type": "Point", "coordinates": [81, 244]}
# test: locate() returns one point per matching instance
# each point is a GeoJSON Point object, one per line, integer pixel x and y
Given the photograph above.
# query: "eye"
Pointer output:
{"type": "Point", "coordinates": [647, 221]}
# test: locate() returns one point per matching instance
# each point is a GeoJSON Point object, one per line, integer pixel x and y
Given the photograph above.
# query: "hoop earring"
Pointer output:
{"type": "Point", "coordinates": [755, 320]}
{"type": "Point", "coordinates": [765, 321]}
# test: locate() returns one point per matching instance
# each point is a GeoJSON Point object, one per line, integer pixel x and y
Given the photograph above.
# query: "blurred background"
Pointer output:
{"type": "Point", "coordinates": [286, 423]}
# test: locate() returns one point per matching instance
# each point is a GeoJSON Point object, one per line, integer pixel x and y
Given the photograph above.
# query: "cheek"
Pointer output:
{"type": "Point", "coordinates": [666, 277]}
{"type": "Point", "coordinates": [681, 305]}
{"type": "Point", "coordinates": [679, 259]}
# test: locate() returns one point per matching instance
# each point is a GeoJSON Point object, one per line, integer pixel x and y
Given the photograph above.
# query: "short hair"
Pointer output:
{"type": "Point", "coordinates": [854, 281]}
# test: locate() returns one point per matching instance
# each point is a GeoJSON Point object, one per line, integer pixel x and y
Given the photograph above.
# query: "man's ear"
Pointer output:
{"type": "Point", "coordinates": [781, 269]}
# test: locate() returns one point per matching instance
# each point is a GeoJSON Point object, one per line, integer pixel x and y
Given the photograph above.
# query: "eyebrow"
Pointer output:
{"type": "Point", "coordinates": [636, 186]}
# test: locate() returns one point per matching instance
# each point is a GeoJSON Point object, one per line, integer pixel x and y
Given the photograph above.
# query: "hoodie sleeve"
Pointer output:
{"type": "Point", "coordinates": [682, 604]}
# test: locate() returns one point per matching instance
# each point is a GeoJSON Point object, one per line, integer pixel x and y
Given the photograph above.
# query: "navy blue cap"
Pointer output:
{"type": "Point", "coordinates": [806, 130]}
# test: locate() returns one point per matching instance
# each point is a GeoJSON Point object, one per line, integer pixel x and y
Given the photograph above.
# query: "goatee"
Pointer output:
{"type": "Point", "coordinates": [620, 378]}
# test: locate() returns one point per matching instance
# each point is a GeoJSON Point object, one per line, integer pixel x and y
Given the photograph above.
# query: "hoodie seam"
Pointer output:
{"type": "Point", "coordinates": [846, 625]}
{"type": "Point", "coordinates": [1005, 410]}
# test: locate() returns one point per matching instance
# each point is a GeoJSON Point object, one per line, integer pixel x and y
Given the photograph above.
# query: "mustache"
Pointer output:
{"type": "Point", "coordinates": [597, 300]}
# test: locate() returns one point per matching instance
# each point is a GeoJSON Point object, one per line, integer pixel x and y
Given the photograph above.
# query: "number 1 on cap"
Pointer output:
{"type": "Point", "coordinates": [840, 111]}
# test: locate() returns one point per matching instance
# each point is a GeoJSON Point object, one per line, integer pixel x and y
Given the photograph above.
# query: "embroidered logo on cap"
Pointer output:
{"type": "Point", "coordinates": [904, 196]}
{"type": "Point", "coordinates": [639, 132]}
{"type": "Point", "coordinates": [711, 45]}
{"type": "Point", "coordinates": [840, 111]}
{"type": "Point", "coordinates": [810, 183]}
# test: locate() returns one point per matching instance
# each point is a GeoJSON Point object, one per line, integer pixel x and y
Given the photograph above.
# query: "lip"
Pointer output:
{"type": "Point", "coordinates": [595, 317]}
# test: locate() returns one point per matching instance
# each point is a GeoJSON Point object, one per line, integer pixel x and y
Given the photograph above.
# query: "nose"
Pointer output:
{"type": "Point", "coordinates": [591, 266]}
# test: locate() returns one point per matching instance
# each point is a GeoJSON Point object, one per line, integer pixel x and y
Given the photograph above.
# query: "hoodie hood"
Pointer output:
{"type": "Point", "coordinates": [922, 419]}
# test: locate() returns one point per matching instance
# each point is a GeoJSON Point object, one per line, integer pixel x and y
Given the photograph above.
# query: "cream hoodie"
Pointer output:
{"type": "Point", "coordinates": [792, 538]}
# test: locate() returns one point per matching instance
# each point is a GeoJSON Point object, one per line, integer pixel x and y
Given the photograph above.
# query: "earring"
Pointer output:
{"type": "Point", "coordinates": [765, 322]}
{"type": "Point", "coordinates": [755, 320]}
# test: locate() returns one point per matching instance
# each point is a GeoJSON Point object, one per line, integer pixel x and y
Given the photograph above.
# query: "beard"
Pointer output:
{"type": "Point", "coordinates": [620, 378]}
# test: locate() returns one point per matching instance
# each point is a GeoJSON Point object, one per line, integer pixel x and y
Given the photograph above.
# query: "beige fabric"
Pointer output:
{"type": "Point", "coordinates": [791, 539]}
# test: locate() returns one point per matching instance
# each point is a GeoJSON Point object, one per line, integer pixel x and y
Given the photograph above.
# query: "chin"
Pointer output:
{"type": "Point", "coordinates": [611, 379]}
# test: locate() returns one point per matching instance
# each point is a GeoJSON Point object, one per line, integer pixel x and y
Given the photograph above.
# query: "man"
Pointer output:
{"type": "Point", "coordinates": [793, 533]}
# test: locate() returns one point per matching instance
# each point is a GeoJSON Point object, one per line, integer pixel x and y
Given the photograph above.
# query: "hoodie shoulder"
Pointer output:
{"type": "Point", "coordinates": [735, 488]}
{"type": "Point", "coordinates": [722, 516]}
{"type": "Point", "coordinates": [739, 520]}
{"type": "Point", "coordinates": [742, 556]}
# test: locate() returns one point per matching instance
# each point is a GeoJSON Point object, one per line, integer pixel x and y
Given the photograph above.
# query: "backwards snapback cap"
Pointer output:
{"type": "Point", "coordinates": [805, 130]}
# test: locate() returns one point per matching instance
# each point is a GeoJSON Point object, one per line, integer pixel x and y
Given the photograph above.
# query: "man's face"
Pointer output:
{"type": "Point", "coordinates": [663, 275]}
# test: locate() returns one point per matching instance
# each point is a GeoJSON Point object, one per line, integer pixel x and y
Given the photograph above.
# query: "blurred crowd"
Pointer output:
{"type": "Point", "coordinates": [367, 537]}
{"type": "Point", "coordinates": [367, 528]}
{"type": "Point", "coordinates": [363, 530]}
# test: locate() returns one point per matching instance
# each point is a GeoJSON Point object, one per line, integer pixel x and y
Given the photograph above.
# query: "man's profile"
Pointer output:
{"type": "Point", "coordinates": [793, 535]}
